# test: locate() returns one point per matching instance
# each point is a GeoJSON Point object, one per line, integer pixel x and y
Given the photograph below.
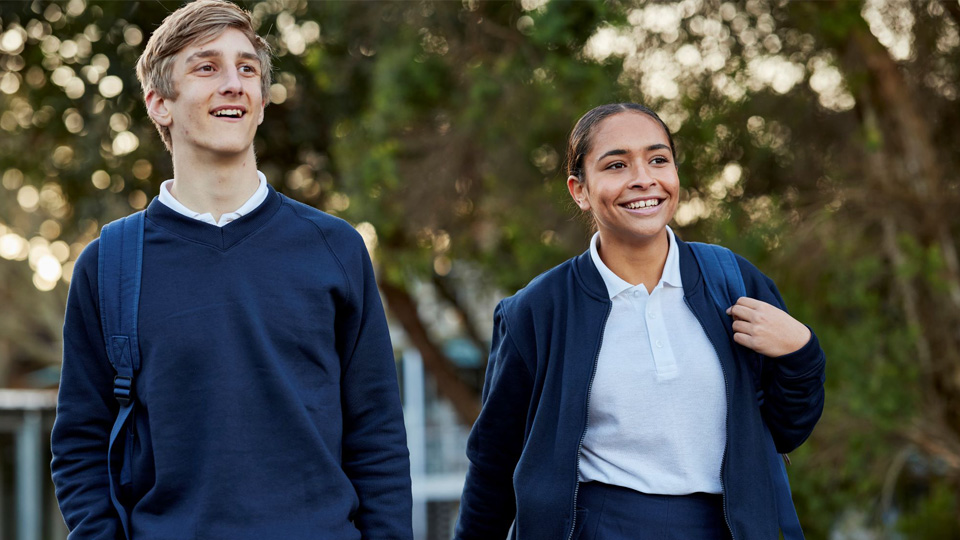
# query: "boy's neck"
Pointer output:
{"type": "Point", "coordinates": [214, 184]}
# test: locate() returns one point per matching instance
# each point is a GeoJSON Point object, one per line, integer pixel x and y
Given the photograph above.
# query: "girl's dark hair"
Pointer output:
{"type": "Point", "coordinates": [581, 137]}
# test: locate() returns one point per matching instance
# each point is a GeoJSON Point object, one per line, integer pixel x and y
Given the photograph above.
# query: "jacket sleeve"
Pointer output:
{"type": "Point", "coordinates": [86, 410]}
{"type": "Point", "coordinates": [488, 503]}
{"type": "Point", "coordinates": [792, 383]}
{"type": "Point", "coordinates": [375, 455]}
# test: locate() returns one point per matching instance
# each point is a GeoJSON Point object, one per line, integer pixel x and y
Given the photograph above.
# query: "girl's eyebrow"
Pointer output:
{"type": "Point", "coordinates": [620, 152]}
{"type": "Point", "coordinates": [658, 146]}
{"type": "Point", "coordinates": [617, 152]}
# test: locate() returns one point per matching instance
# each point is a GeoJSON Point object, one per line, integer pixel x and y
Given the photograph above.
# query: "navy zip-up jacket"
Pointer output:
{"type": "Point", "coordinates": [524, 448]}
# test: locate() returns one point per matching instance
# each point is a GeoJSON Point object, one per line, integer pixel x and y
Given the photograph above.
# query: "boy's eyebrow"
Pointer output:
{"type": "Point", "coordinates": [208, 53]}
{"type": "Point", "coordinates": [214, 53]}
{"type": "Point", "coordinates": [620, 152]}
{"type": "Point", "coordinates": [250, 56]}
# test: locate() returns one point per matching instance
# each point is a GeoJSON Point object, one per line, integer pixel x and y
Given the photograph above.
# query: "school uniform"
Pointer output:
{"type": "Point", "coordinates": [610, 412]}
{"type": "Point", "coordinates": [267, 403]}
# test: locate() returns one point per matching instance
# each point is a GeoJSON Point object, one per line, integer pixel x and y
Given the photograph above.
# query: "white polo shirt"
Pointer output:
{"type": "Point", "coordinates": [252, 203]}
{"type": "Point", "coordinates": [657, 408]}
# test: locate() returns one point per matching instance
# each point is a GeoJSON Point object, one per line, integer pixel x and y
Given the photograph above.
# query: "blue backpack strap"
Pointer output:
{"type": "Point", "coordinates": [721, 274]}
{"type": "Point", "coordinates": [719, 262]}
{"type": "Point", "coordinates": [119, 269]}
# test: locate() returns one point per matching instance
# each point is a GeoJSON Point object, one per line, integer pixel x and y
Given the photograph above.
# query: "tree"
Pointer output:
{"type": "Point", "coordinates": [817, 139]}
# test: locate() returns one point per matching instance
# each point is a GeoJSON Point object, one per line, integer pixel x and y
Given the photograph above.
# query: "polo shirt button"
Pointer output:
{"type": "Point", "coordinates": [652, 315]}
{"type": "Point", "coordinates": [659, 344]}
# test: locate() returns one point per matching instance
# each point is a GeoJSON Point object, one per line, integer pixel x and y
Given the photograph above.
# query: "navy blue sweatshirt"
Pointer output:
{"type": "Point", "coordinates": [267, 401]}
{"type": "Point", "coordinates": [524, 448]}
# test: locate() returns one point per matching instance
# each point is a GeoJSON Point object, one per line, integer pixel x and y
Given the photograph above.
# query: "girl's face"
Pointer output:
{"type": "Point", "coordinates": [630, 181]}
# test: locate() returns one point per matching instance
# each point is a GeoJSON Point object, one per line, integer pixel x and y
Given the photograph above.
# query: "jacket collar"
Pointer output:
{"type": "Point", "coordinates": [689, 270]}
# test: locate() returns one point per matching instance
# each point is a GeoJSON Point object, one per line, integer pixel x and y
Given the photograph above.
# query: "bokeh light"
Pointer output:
{"type": "Point", "coordinates": [124, 143]}
{"type": "Point", "coordinates": [110, 86]}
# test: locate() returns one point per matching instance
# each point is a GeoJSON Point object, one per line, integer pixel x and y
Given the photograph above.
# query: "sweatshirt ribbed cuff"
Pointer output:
{"type": "Point", "coordinates": [803, 361]}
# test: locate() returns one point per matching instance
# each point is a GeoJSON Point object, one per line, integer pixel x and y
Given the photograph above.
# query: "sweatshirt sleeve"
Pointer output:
{"type": "Point", "coordinates": [488, 503]}
{"type": "Point", "coordinates": [375, 455]}
{"type": "Point", "coordinates": [793, 383]}
{"type": "Point", "coordinates": [86, 410]}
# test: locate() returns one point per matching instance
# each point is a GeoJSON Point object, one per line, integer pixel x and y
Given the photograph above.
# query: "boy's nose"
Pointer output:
{"type": "Point", "coordinates": [231, 82]}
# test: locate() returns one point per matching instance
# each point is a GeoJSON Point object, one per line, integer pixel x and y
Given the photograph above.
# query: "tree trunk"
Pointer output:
{"type": "Point", "coordinates": [465, 400]}
{"type": "Point", "coordinates": [446, 291]}
{"type": "Point", "coordinates": [906, 186]}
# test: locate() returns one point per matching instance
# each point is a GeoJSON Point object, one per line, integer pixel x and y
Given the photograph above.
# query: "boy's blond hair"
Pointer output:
{"type": "Point", "coordinates": [197, 22]}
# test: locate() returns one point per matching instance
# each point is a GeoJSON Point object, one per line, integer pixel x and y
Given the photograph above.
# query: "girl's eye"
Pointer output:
{"type": "Point", "coordinates": [616, 165]}
{"type": "Point", "coordinates": [660, 160]}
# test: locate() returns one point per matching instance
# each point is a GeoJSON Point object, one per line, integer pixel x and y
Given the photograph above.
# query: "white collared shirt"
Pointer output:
{"type": "Point", "coordinates": [657, 408]}
{"type": "Point", "coordinates": [252, 203]}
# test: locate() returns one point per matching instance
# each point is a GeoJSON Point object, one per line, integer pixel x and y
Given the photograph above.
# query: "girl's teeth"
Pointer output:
{"type": "Point", "coordinates": [643, 204]}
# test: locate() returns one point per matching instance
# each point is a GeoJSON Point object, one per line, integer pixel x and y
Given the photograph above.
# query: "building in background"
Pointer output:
{"type": "Point", "coordinates": [438, 463]}
{"type": "Point", "coordinates": [28, 507]}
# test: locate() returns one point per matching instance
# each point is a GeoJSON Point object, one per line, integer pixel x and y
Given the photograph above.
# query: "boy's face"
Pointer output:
{"type": "Point", "coordinates": [219, 103]}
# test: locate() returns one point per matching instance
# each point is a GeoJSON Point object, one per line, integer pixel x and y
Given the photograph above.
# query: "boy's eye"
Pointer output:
{"type": "Point", "coordinates": [205, 68]}
{"type": "Point", "coordinates": [660, 160]}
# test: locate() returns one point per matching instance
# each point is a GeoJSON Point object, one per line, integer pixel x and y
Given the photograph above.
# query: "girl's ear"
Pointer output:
{"type": "Point", "coordinates": [578, 190]}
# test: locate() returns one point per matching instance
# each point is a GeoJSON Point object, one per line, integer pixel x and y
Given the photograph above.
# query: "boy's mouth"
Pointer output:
{"type": "Point", "coordinates": [229, 112]}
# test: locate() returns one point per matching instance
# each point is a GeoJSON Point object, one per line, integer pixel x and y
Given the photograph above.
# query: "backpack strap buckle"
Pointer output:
{"type": "Point", "coordinates": [123, 389]}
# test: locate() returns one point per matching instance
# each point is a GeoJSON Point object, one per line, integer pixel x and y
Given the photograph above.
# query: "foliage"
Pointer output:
{"type": "Point", "coordinates": [817, 139]}
{"type": "Point", "coordinates": [933, 519]}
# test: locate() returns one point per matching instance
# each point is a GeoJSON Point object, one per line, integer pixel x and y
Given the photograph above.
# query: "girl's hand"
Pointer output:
{"type": "Point", "coordinates": [766, 329]}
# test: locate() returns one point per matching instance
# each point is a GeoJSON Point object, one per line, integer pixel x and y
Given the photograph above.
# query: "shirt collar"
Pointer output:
{"type": "Point", "coordinates": [616, 285]}
{"type": "Point", "coordinates": [252, 203]}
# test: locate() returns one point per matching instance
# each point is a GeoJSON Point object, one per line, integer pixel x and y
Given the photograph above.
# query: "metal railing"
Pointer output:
{"type": "Point", "coordinates": [28, 510]}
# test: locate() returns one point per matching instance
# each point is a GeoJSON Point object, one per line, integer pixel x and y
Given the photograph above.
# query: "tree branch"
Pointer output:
{"type": "Point", "coordinates": [935, 441]}
{"type": "Point", "coordinates": [465, 400]}
{"type": "Point", "coordinates": [443, 287]}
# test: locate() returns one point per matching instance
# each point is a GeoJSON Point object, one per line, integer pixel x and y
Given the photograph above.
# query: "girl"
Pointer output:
{"type": "Point", "coordinates": [617, 401]}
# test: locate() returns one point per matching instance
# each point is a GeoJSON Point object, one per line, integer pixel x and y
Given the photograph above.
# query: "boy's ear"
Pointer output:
{"type": "Point", "coordinates": [157, 108]}
{"type": "Point", "coordinates": [263, 107]}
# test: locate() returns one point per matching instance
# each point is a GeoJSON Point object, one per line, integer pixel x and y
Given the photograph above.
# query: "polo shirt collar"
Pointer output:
{"type": "Point", "coordinates": [616, 285]}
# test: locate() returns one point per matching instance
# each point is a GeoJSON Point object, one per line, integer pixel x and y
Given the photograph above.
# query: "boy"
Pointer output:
{"type": "Point", "coordinates": [266, 403]}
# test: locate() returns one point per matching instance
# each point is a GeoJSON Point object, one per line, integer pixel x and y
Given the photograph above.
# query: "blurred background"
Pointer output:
{"type": "Point", "coordinates": [818, 139]}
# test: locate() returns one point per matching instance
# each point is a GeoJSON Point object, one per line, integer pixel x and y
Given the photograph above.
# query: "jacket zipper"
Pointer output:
{"type": "Point", "coordinates": [576, 485]}
{"type": "Point", "coordinates": [726, 420]}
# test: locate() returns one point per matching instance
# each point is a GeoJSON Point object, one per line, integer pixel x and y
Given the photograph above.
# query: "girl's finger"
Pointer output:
{"type": "Point", "coordinates": [750, 303]}
{"type": "Point", "coordinates": [740, 312]}
{"type": "Point", "coordinates": [743, 339]}
{"type": "Point", "coordinates": [742, 327]}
